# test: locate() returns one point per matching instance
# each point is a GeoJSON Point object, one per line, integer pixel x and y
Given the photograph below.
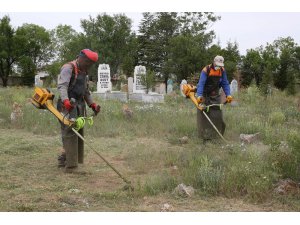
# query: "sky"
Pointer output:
{"type": "Point", "coordinates": [249, 23]}
{"type": "Point", "coordinates": [248, 29]}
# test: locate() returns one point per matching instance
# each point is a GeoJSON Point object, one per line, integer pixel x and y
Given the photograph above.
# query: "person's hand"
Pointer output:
{"type": "Point", "coordinates": [96, 108]}
{"type": "Point", "coordinates": [200, 99]}
{"type": "Point", "coordinates": [67, 105]}
{"type": "Point", "coordinates": [229, 99]}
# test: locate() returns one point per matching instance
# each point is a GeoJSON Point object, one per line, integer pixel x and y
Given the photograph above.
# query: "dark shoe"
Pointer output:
{"type": "Point", "coordinates": [61, 160]}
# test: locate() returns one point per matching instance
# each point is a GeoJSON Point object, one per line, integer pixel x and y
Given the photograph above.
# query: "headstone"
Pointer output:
{"type": "Point", "coordinates": [169, 86]}
{"type": "Point", "coordinates": [181, 84]}
{"type": "Point", "coordinates": [139, 71]}
{"type": "Point", "coordinates": [37, 81]}
{"type": "Point", "coordinates": [130, 84]}
{"type": "Point", "coordinates": [162, 88]}
{"type": "Point", "coordinates": [233, 87]}
{"type": "Point", "coordinates": [269, 89]}
{"type": "Point", "coordinates": [104, 82]}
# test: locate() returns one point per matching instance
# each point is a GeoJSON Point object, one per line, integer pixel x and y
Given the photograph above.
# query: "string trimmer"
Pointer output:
{"type": "Point", "coordinates": [189, 91]}
{"type": "Point", "coordinates": [43, 99]}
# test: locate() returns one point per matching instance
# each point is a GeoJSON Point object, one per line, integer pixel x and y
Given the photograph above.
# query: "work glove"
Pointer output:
{"type": "Point", "coordinates": [67, 105]}
{"type": "Point", "coordinates": [200, 99]}
{"type": "Point", "coordinates": [96, 108]}
{"type": "Point", "coordinates": [229, 99]}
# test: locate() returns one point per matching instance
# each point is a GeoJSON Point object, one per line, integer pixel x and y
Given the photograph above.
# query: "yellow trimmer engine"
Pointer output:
{"type": "Point", "coordinates": [40, 97]}
{"type": "Point", "coordinates": [189, 91]}
{"type": "Point", "coordinates": [43, 99]}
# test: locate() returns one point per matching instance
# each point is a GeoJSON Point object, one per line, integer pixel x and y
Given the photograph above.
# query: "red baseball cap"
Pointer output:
{"type": "Point", "coordinates": [93, 56]}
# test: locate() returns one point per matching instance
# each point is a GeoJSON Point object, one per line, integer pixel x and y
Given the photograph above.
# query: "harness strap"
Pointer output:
{"type": "Point", "coordinates": [208, 69]}
{"type": "Point", "coordinates": [75, 72]}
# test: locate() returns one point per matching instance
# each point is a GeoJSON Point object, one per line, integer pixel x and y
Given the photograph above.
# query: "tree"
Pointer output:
{"type": "Point", "coordinates": [252, 67]}
{"type": "Point", "coordinates": [232, 58]}
{"type": "Point", "coordinates": [148, 80]}
{"type": "Point", "coordinates": [26, 47]}
{"type": "Point", "coordinates": [156, 30]}
{"type": "Point", "coordinates": [8, 51]}
{"type": "Point", "coordinates": [287, 62]}
{"type": "Point", "coordinates": [187, 55]}
{"type": "Point", "coordinates": [111, 37]}
{"type": "Point", "coordinates": [130, 60]}
{"type": "Point", "coordinates": [267, 80]}
{"type": "Point", "coordinates": [36, 50]}
{"type": "Point", "coordinates": [61, 37]}
{"type": "Point", "coordinates": [175, 43]}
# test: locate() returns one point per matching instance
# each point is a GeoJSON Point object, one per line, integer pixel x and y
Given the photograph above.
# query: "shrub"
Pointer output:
{"type": "Point", "coordinates": [276, 117]}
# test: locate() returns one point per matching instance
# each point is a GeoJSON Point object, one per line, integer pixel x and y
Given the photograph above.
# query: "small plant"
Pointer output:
{"type": "Point", "coordinates": [148, 80]}
{"type": "Point", "coordinates": [276, 117]}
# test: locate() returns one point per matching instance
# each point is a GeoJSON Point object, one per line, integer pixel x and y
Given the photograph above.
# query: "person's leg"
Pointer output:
{"type": "Point", "coordinates": [70, 144]}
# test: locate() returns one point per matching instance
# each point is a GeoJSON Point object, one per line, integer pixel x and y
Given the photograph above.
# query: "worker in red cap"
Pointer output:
{"type": "Point", "coordinates": [74, 94]}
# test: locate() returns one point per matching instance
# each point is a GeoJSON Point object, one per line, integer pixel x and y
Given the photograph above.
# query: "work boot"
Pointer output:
{"type": "Point", "coordinates": [61, 160]}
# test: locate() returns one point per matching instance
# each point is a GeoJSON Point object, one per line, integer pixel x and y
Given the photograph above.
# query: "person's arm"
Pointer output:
{"type": "Point", "coordinates": [64, 81]}
{"type": "Point", "coordinates": [201, 83]}
{"type": "Point", "coordinates": [225, 83]}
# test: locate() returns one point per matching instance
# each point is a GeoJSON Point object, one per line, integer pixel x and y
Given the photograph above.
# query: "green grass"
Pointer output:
{"type": "Point", "coordinates": [147, 149]}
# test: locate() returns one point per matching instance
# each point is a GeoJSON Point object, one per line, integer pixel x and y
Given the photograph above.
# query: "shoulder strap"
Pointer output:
{"type": "Point", "coordinates": [75, 72]}
{"type": "Point", "coordinates": [208, 69]}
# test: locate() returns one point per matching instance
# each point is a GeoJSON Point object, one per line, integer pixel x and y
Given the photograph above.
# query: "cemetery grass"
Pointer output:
{"type": "Point", "coordinates": [147, 150]}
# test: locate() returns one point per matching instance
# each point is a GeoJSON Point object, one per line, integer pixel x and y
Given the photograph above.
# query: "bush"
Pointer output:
{"type": "Point", "coordinates": [276, 118]}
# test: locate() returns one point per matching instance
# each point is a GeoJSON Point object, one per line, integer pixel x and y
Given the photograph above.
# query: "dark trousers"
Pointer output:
{"type": "Point", "coordinates": [72, 144]}
{"type": "Point", "coordinates": [205, 129]}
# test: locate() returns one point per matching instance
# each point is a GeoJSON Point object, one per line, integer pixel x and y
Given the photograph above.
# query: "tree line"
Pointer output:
{"type": "Point", "coordinates": [171, 44]}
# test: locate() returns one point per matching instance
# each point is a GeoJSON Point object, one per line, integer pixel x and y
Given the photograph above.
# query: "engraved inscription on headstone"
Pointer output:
{"type": "Point", "coordinates": [104, 82]}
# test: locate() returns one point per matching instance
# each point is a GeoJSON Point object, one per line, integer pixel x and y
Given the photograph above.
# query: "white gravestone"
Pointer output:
{"type": "Point", "coordinates": [104, 82]}
{"type": "Point", "coordinates": [37, 81]}
{"type": "Point", "coordinates": [181, 84]}
{"type": "Point", "coordinates": [139, 71]}
{"type": "Point", "coordinates": [130, 84]}
{"type": "Point", "coordinates": [233, 87]}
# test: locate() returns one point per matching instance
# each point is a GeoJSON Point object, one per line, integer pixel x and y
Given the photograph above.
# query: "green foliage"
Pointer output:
{"type": "Point", "coordinates": [266, 83]}
{"type": "Point", "coordinates": [201, 173]}
{"type": "Point", "coordinates": [53, 70]}
{"type": "Point", "coordinates": [159, 184]}
{"type": "Point", "coordinates": [289, 160]}
{"type": "Point", "coordinates": [175, 42]}
{"type": "Point", "coordinates": [10, 52]}
{"type": "Point", "coordinates": [112, 38]}
{"type": "Point", "coordinates": [252, 67]}
{"type": "Point", "coordinates": [276, 63]}
{"type": "Point", "coordinates": [148, 80]}
{"type": "Point", "coordinates": [27, 47]}
{"type": "Point", "coordinates": [62, 38]}
{"type": "Point", "coordinates": [232, 59]}
{"type": "Point", "coordinates": [291, 81]}
{"type": "Point", "coordinates": [276, 117]}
